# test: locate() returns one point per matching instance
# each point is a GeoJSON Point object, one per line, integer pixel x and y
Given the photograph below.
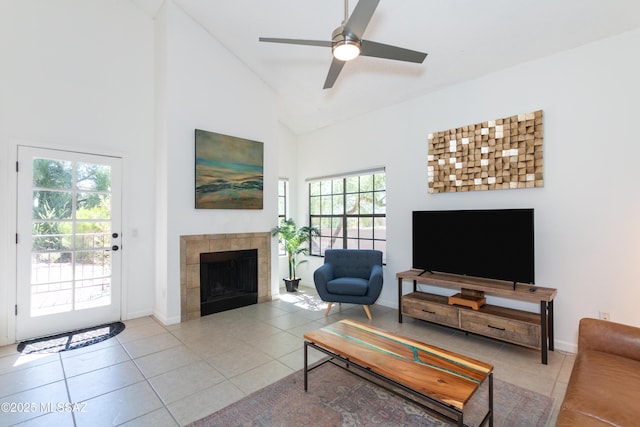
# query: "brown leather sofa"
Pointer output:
{"type": "Point", "coordinates": [604, 388]}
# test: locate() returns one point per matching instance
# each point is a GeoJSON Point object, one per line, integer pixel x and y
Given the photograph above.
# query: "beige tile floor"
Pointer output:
{"type": "Point", "coordinates": [151, 375]}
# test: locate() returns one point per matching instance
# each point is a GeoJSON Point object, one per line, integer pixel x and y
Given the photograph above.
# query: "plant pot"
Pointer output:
{"type": "Point", "coordinates": [291, 284]}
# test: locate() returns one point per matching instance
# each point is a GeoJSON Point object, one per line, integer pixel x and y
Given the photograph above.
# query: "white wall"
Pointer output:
{"type": "Point", "coordinates": [287, 168]}
{"type": "Point", "coordinates": [587, 226]}
{"type": "Point", "coordinates": [161, 162]}
{"type": "Point", "coordinates": [206, 88]}
{"type": "Point", "coordinates": [79, 75]}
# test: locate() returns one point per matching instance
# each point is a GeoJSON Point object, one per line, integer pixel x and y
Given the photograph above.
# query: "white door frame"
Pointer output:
{"type": "Point", "coordinates": [8, 190]}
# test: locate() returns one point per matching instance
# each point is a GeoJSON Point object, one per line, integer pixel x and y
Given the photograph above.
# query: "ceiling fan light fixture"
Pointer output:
{"type": "Point", "coordinates": [346, 46]}
{"type": "Point", "coordinates": [346, 50]}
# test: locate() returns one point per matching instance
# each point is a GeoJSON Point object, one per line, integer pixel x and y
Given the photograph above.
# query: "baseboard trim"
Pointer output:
{"type": "Point", "coordinates": [165, 320]}
{"type": "Point", "coordinates": [566, 346]}
{"type": "Point", "coordinates": [138, 314]}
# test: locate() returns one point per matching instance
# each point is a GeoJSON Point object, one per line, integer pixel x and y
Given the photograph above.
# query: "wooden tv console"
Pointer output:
{"type": "Point", "coordinates": [533, 330]}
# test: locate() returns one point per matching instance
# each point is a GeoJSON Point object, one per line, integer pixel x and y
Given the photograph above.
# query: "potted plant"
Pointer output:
{"type": "Point", "coordinates": [295, 242]}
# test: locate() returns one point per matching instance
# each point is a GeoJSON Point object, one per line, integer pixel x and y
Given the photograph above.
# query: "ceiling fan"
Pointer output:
{"type": "Point", "coordinates": [347, 42]}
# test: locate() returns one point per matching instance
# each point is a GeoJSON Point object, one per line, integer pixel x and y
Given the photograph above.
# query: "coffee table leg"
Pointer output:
{"type": "Point", "coordinates": [306, 346]}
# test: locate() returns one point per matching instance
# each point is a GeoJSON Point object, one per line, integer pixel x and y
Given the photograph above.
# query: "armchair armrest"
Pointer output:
{"type": "Point", "coordinates": [375, 280]}
{"type": "Point", "coordinates": [609, 337]}
{"type": "Point", "coordinates": [321, 277]}
{"type": "Point", "coordinates": [323, 274]}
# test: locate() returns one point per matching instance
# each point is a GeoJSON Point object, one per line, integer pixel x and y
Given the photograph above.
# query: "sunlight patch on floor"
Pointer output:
{"type": "Point", "coordinates": [304, 301]}
{"type": "Point", "coordinates": [26, 358]}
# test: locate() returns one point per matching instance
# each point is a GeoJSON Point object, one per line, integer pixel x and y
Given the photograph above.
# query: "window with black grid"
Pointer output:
{"type": "Point", "coordinates": [283, 207]}
{"type": "Point", "coordinates": [350, 212]}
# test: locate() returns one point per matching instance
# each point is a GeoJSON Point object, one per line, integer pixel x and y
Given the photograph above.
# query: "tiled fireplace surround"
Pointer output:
{"type": "Point", "coordinates": [192, 246]}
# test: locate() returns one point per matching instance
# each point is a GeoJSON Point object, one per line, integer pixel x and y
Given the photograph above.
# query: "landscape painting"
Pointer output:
{"type": "Point", "coordinates": [229, 172]}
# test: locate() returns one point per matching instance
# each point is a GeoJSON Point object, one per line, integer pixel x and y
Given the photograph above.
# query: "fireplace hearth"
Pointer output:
{"type": "Point", "coordinates": [228, 280]}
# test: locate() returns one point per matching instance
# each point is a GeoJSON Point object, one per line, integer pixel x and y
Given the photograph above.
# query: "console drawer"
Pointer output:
{"type": "Point", "coordinates": [432, 308]}
{"type": "Point", "coordinates": [516, 329]}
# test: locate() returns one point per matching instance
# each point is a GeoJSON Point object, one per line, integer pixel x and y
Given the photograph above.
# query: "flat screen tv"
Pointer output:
{"type": "Point", "coordinates": [495, 244]}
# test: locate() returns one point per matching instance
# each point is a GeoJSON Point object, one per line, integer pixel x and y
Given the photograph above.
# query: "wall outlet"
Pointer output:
{"type": "Point", "coordinates": [604, 316]}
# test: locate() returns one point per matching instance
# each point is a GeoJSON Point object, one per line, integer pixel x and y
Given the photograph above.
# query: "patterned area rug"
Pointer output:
{"type": "Point", "coordinates": [71, 340]}
{"type": "Point", "coordinates": [337, 398]}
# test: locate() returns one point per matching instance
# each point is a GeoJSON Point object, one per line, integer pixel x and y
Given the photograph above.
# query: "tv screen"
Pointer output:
{"type": "Point", "coordinates": [495, 244]}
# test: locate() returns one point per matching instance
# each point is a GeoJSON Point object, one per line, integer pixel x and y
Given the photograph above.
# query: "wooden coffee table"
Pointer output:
{"type": "Point", "coordinates": [444, 380]}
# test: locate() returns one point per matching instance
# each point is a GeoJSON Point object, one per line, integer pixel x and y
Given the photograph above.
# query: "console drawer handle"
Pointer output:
{"type": "Point", "coordinates": [495, 327]}
{"type": "Point", "coordinates": [427, 311]}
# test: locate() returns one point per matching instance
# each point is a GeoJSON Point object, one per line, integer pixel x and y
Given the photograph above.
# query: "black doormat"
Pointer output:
{"type": "Point", "coordinates": [71, 340]}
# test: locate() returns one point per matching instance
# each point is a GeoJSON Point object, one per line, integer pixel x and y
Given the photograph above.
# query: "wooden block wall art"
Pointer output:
{"type": "Point", "coordinates": [499, 154]}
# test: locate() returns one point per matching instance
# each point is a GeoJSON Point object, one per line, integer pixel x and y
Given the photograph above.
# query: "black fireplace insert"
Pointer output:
{"type": "Point", "coordinates": [228, 280]}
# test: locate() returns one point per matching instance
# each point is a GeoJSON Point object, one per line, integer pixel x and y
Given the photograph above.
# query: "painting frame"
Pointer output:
{"type": "Point", "coordinates": [229, 172]}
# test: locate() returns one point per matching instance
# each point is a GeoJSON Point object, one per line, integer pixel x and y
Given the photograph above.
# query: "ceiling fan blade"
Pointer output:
{"type": "Point", "coordinates": [334, 71]}
{"type": "Point", "coordinates": [360, 17]}
{"type": "Point", "coordinates": [321, 43]}
{"type": "Point", "coordinates": [379, 50]}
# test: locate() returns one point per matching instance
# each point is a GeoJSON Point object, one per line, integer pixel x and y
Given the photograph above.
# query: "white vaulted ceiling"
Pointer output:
{"type": "Point", "coordinates": [464, 39]}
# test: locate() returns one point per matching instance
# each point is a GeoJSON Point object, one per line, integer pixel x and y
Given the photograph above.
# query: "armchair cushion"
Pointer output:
{"type": "Point", "coordinates": [348, 286]}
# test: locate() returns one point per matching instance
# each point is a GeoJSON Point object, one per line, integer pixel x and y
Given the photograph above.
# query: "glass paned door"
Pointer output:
{"type": "Point", "coordinates": [68, 241]}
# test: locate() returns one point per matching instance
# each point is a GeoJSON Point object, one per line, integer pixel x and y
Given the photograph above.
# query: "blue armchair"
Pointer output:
{"type": "Point", "coordinates": [351, 276]}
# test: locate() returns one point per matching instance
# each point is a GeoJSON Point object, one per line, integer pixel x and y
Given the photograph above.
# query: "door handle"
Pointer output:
{"type": "Point", "coordinates": [115, 247]}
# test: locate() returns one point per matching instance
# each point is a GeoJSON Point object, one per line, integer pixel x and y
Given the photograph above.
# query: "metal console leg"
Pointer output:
{"type": "Point", "coordinates": [544, 337]}
{"type": "Point", "coordinates": [551, 338]}
{"type": "Point", "coordinates": [399, 300]}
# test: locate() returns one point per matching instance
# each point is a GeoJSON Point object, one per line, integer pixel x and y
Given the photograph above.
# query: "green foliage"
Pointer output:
{"type": "Point", "coordinates": [53, 202]}
{"type": "Point", "coordinates": [54, 175]}
{"type": "Point", "coordinates": [295, 240]}
{"type": "Point", "coordinates": [100, 210]}
{"type": "Point", "coordinates": [53, 184]}
{"type": "Point", "coordinates": [48, 233]}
